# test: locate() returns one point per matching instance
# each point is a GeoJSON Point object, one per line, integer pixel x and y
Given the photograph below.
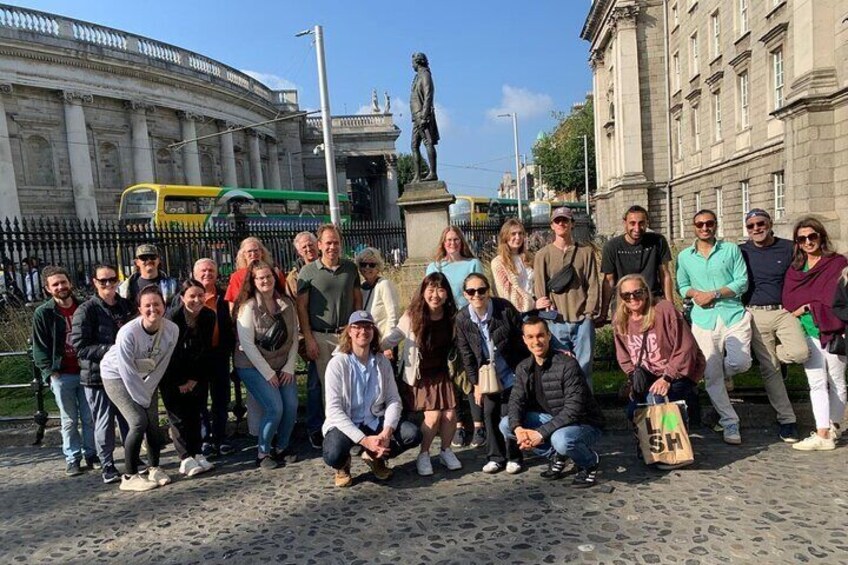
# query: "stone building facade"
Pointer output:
{"type": "Point", "coordinates": [721, 104]}
{"type": "Point", "coordinates": [86, 111]}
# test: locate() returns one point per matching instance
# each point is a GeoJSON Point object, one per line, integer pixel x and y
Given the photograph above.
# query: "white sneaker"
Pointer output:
{"type": "Point", "coordinates": [190, 467]}
{"type": "Point", "coordinates": [424, 465]}
{"type": "Point", "coordinates": [158, 476]}
{"type": "Point", "coordinates": [492, 467]}
{"type": "Point", "coordinates": [835, 431]}
{"type": "Point", "coordinates": [449, 460]}
{"type": "Point", "coordinates": [815, 443]}
{"type": "Point", "coordinates": [136, 483]}
{"type": "Point", "coordinates": [513, 467]}
{"type": "Point", "coordinates": [204, 463]}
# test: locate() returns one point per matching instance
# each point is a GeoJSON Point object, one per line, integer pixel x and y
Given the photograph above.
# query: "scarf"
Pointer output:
{"type": "Point", "coordinates": [817, 288]}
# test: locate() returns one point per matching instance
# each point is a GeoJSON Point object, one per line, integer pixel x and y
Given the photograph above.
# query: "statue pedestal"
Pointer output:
{"type": "Point", "coordinates": [425, 205]}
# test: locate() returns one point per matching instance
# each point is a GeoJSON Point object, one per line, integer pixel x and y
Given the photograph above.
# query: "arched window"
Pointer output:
{"type": "Point", "coordinates": [39, 162]}
{"type": "Point", "coordinates": [110, 166]}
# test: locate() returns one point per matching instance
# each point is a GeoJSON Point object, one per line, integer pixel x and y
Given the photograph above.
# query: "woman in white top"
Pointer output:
{"type": "Point", "coordinates": [265, 357]}
{"type": "Point", "coordinates": [379, 295]}
{"type": "Point", "coordinates": [512, 268]}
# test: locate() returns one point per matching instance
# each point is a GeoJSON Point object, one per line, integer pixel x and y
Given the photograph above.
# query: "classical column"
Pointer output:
{"type": "Point", "coordinates": [191, 158]}
{"type": "Point", "coordinates": [628, 108]}
{"type": "Point", "coordinates": [274, 165]}
{"type": "Point", "coordinates": [141, 151]}
{"type": "Point", "coordinates": [82, 178]}
{"type": "Point", "coordinates": [228, 155]}
{"type": "Point", "coordinates": [255, 159]}
{"type": "Point", "coordinates": [9, 202]}
{"type": "Point", "coordinates": [390, 194]}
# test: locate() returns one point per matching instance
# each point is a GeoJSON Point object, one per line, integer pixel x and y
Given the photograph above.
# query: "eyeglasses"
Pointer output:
{"type": "Point", "coordinates": [561, 220]}
{"type": "Point", "coordinates": [147, 258]}
{"type": "Point", "coordinates": [477, 291]}
{"type": "Point", "coordinates": [368, 265]}
{"type": "Point", "coordinates": [706, 224]}
{"type": "Point", "coordinates": [108, 280]}
{"type": "Point", "coordinates": [802, 239]}
{"type": "Point", "coordinates": [635, 295]}
{"type": "Point", "coordinates": [265, 278]}
{"type": "Point", "coordinates": [362, 327]}
{"type": "Point", "coordinates": [753, 225]}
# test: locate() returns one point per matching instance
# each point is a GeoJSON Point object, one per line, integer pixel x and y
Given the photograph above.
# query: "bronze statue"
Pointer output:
{"type": "Point", "coordinates": [424, 126]}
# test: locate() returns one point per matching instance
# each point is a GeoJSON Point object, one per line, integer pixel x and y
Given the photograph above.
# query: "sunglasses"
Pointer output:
{"type": "Point", "coordinates": [109, 280]}
{"type": "Point", "coordinates": [706, 224]}
{"type": "Point", "coordinates": [479, 291]}
{"type": "Point", "coordinates": [802, 239]}
{"type": "Point", "coordinates": [635, 295]}
{"type": "Point", "coordinates": [753, 225]}
{"type": "Point", "coordinates": [368, 265]}
{"type": "Point", "coordinates": [146, 258]}
{"type": "Point", "coordinates": [561, 221]}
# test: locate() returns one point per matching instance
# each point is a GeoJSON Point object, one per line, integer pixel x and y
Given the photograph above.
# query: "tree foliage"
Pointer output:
{"type": "Point", "coordinates": [560, 152]}
{"type": "Point", "coordinates": [404, 168]}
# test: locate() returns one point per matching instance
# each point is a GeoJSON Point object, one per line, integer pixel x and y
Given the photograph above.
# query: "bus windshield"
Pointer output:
{"type": "Point", "coordinates": [139, 203]}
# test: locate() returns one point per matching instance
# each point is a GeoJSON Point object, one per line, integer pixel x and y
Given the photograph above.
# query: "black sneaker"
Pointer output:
{"type": "Point", "coordinates": [585, 478]}
{"type": "Point", "coordinates": [286, 456]}
{"type": "Point", "coordinates": [226, 449]}
{"type": "Point", "coordinates": [556, 467]}
{"type": "Point", "coordinates": [110, 474]}
{"type": "Point", "coordinates": [459, 438]}
{"type": "Point", "coordinates": [316, 439]}
{"type": "Point", "coordinates": [73, 469]}
{"type": "Point", "coordinates": [789, 433]}
{"type": "Point", "coordinates": [208, 449]}
{"type": "Point", "coordinates": [267, 463]}
{"type": "Point", "coordinates": [93, 462]}
{"type": "Point", "coordinates": [479, 437]}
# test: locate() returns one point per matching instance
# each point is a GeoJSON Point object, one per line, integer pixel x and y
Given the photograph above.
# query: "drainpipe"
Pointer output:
{"type": "Point", "coordinates": [668, 213]}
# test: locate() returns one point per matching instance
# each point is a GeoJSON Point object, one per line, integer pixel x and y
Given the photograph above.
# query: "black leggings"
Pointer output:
{"type": "Point", "coordinates": [184, 416]}
{"type": "Point", "coordinates": [141, 422]}
{"type": "Point", "coordinates": [467, 411]}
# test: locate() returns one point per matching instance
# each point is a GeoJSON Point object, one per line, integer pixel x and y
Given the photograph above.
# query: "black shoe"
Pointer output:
{"type": "Point", "coordinates": [479, 437]}
{"type": "Point", "coordinates": [459, 438]}
{"type": "Point", "coordinates": [556, 467]}
{"type": "Point", "coordinates": [789, 433]}
{"type": "Point", "coordinates": [316, 439]}
{"type": "Point", "coordinates": [93, 462]}
{"type": "Point", "coordinates": [110, 474]}
{"type": "Point", "coordinates": [585, 478]}
{"type": "Point", "coordinates": [286, 456]}
{"type": "Point", "coordinates": [226, 449]}
{"type": "Point", "coordinates": [208, 449]}
{"type": "Point", "coordinates": [73, 469]}
{"type": "Point", "coordinates": [267, 463]}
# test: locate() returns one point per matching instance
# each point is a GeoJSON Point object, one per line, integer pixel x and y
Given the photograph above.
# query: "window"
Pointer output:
{"type": "Point", "coordinates": [697, 202]}
{"type": "Point", "coordinates": [777, 77]}
{"type": "Point", "coordinates": [694, 57]}
{"type": "Point", "coordinates": [715, 26]}
{"type": "Point", "coordinates": [675, 17]}
{"type": "Point", "coordinates": [717, 116]}
{"type": "Point", "coordinates": [743, 17]}
{"type": "Point", "coordinates": [696, 129]}
{"type": "Point", "coordinates": [745, 189]}
{"type": "Point", "coordinates": [39, 162]}
{"type": "Point", "coordinates": [678, 130]}
{"type": "Point", "coordinates": [719, 212]}
{"type": "Point", "coordinates": [676, 64]}
{"type": "Point", "coordinates": [681, 216]}
{"type": "Point", "coordinates": [744, 116]}
{"type": "Point", "coordinates": [779, 195]}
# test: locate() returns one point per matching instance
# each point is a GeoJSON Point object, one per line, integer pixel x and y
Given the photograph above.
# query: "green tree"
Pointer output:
{"type": "Point", "coordinates": [405, 170]}
{"type": "Point", "coordinates": [560, 152]}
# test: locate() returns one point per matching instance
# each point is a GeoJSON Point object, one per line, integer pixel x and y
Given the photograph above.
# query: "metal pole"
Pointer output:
{"type": "Point", "coordinates": [586, 172]}
{"type": "Point", "coordinates": [291, 175]}
{"type": "Point", "coordinates": [326, 120]}
{"type": "Point", "coordinates": [517, 164]}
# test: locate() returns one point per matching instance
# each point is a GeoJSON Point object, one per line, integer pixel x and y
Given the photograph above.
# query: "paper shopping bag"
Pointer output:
{"type": "Point", "coordinates": [662, 435]}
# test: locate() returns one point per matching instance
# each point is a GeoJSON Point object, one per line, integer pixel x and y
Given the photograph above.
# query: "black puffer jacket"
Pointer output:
{"type": "Point", "coordinates": [94, 329]}
{"type": "Point", "coordinates": [191, 357]}
{"type": "Point", "coordinates": [569, 397]}
{"type": "Point", "coordinates": [504, 329]}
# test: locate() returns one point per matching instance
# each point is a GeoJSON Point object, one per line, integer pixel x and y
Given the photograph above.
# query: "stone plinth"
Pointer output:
{"type": "Point", "coordinates": [425, 206]}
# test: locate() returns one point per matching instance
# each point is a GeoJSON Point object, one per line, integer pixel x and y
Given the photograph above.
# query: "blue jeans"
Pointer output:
{"type": "Point", "coordinates": [574, 441]}
{"type": "Point", "coordinates": [337, 446]}
{"type": "Point", "coordinates": [103, 414]}
{"type": "Point", "coordinates": [73, 409]}
{"type": "Point", "coordinates": [279, 408]}
{"type": "Point", "coordinates": [579, 338]}
{"type": "Point", "coordinates": [314, 399]}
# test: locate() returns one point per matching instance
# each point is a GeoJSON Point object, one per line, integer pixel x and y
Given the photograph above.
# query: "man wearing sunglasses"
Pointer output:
{"type": "Point", "coordinates": [776, 336]}
{"type": "Point", "coordinates": [147, 272]}
{"type": "Point", "coordinates": [712, 273]}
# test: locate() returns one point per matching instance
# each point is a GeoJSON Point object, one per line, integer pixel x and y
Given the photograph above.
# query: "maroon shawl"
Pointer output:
{"type": "Point", "coordinates": [816, 287]}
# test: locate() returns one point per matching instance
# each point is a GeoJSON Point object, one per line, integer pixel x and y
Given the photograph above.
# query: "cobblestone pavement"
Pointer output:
{"type": "Point", "coordinates": [761, 502]}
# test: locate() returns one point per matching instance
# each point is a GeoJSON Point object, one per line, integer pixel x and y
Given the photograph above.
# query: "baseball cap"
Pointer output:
{"type": "Point", "coordinates": [753, 212]}
{"type": "Point", "coordinates": [361, 317]}
{"type": "Point", "coordinates": [146, 249]}
{"type": "Point", "coordinates": [562, 213]}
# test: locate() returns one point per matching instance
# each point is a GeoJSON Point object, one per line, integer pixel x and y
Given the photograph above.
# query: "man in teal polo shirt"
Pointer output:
{"type": "Point", "coordinates": [713, 274]}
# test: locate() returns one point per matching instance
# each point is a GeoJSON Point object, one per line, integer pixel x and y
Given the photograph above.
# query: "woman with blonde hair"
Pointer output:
{"type": "Point", "coordinates": [379, 295]}
{"type": "Point", "coordinates": [512, 267]}
{"type": "Point", "coordinates": [251, 249]}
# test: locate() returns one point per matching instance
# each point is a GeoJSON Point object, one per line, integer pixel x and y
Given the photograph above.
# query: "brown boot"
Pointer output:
{"type": "Point", "coordinates": [343, 478]}
{"type": "Point", "coordinates": [378, 466]}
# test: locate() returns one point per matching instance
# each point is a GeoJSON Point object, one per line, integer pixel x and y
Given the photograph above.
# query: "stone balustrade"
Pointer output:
{"type": "Point", "coordinates": [357, 122]}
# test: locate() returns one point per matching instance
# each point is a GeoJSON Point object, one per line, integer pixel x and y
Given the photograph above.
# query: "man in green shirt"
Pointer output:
{"type": "Point", "coordinates": [713, 274]}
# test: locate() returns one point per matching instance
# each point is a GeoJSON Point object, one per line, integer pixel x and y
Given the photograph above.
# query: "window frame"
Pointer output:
{"type": "Point", "coordinates": [779, 186]}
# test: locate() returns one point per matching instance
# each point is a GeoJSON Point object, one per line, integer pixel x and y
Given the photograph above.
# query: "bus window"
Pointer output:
{"type": "Point", "coordinates": [345, 207]}
{"type": "Point", "coordinates": [138, 203]}
{"type": "Point", "coordinates": [293, 206]}
{"type": "Point", "coordinates": [540, 211]}
{"type": "Point", "coordinates": [460, 211]}
{"type": "Point", "coordinates": [313, 209]}
{"type": "Point", "coordinates": [273, 208]}
{"type": "Point", "coordinates": [180, 205]}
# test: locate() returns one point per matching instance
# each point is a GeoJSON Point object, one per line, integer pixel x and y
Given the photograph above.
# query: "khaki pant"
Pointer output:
{"type": "Point", "coordinates": [327, 343]}
{"type": "Point", "coordinates": [777, 338]}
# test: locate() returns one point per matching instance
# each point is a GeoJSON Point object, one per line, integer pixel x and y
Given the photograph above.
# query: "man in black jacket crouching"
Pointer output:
{"type": "Point", "coordinates": [552, 404]}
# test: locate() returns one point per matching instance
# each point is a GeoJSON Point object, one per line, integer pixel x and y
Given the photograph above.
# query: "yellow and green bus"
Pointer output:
{"type": "Point", "coordinates": [476, 209]}
{"type": "Point", "coordinates": [166, 204]}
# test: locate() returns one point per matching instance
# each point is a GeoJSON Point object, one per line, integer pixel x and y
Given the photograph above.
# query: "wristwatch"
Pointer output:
{"type": "Point", "coordinates": [667, 379]}
{"type": "Point", "coordinates": [717, 294]}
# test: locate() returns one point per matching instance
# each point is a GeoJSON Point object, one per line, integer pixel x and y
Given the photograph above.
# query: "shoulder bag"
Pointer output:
{"type": "Point", "coordinates": [560, 282]}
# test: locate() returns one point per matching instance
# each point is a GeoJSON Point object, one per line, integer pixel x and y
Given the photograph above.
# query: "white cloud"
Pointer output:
{"type": "Point", "coordinates": [272, 81]}
{"type": "Point", "coordinates": [525, 103]}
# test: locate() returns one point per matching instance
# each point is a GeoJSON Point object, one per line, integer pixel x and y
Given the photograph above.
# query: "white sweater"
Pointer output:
{"type": "Point", "coordinates": [384, 305]}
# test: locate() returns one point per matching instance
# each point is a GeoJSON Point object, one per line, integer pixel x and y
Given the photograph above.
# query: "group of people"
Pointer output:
{"type": "Point", "coordinates": [501, 360]}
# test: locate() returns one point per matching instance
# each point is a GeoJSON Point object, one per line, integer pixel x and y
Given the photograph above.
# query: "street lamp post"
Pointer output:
{"type": "Point", "coordinates": [514, 117]}
{"type": "Point", "coordinates": [326, 121]}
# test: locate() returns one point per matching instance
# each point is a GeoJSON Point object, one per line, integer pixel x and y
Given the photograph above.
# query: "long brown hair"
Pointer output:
{"type": "Point", "coordinates": [464, 250]}
{"type": "Point", "coordinates": [248, 286]}
{"type": "Point", "coordinates": [800, 257]}
{"type": "Point", "coordinates": [346, 345]}
{"type": "Point", "coordinates": [419, 312]}
{"type": "Point", "coordinates": [621, 319]}
{"type": "Point", "coordinates": [504, 250]}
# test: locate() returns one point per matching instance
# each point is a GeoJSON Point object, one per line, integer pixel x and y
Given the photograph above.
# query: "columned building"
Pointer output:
{"type": "Point", "coordinates": [86, 111]}
{"type": "Point", "coordinates": [721, 104]}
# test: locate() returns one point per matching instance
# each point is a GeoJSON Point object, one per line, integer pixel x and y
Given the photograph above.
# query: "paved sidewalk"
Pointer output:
{"type": "Point", "coordinates": [761, 502]}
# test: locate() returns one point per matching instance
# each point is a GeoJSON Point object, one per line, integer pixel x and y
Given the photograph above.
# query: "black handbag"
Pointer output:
{"type": "Point", "coordinates": [641, 378]}
{"type": "Point", "coordinates": [275, 336]}
{"type": "Point", "coordinates": [560, 282]}
{"type": "Point", "coordinates": [836, 345]}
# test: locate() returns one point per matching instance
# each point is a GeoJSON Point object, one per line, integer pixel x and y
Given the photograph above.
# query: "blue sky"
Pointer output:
{"type": "Point", "coordinates": [487, 57]}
